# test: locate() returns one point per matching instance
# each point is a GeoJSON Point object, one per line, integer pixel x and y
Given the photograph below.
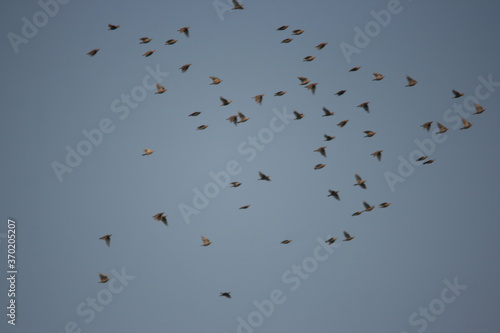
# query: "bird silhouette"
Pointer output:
{"type": "Point", "coordinates": [369, 134]}
{"type": "Point", "coordinates": [340, 92]}
{"type": "Point", "coordinates": [297, 32]}
{"type": "Point", "coordinates": [144, 40]}
{"type": "Point", "coordinates": [171, 42]}
{"type": "Point", "coordinates": [303, 80]}
{"type": "Point", "coordinates": [298, 115]}
{"type": "Point", "coordinates": [226, 294]}
{"type": "Point", "coordinates": [312, 87]}
{"type": "Point", "coordinates": [466, 124]}
{"type": "Point", "coordinates": [428, 162]}
{"type": "Point", "coordinates": [93, 52]}
{"type": "Point", "coordinates": [283, 27]}
{"type": "Point", "coordinates": [426, 126]}
{"type": "Point", "coordinates": [378, 154]}
{"type": "Point", "coordinates": [367, 206]}
{"type": "Point", "coordinates": [364, 106]}
{"type": "Point", "coordinates": [442, 128]}
{"type": "Point", "coordinates": [147, 152]}
{"type": "Point", "coordinates": [184, 30]}
{"type": "Point", "coordinates": [334, 194]}
{"type": "Point", "coordinates": [236, 5]}
{"type": "Point", "coordinates": [286, 40]}
{"type": "Point", "coordinates": [243, 118]}
{"type": "Point", "coordinates": [360, 181]}
{"type": "Point", "coordinates": [224, 101]}
{"type": "Point", "coordinates": [161, 217]}
{"type": "Point", "coordinates": [342, 123]}
{"type": "Point", "coordinates": [235, 184]}
{"type": "Point", "coordinates": [331, 240]}
{"type": "Point", "coordinates": [185, 68]}
{"type": "Point", "coordinates": [327, 112]}
{"type": "Point", "coordinates": [457, 94]}
{"type": "Point", "coordinates": [479, 109]}
{"type": "Point", "coordinates": [149, 53]}
{"type": "Point", "coordinates": [244, 207]}
{"type": "Point", "coordinates": [321, 150]}
{"type": "Point", "coordinates": [103, 278]}
{"type": "Point", "coordinates": [206, 241]}
{"type": "Point", "coordinates": [384, 205]}
{"type": "Point", "coordinates": [264, 177]}
{"type": "Point", "coordinates": [328, 137]}
{"type": "Point", "coordinates": [286, 241]}
{"type": "Point", "coordinates": [321, 46]}
{"type": "Point", "coordinates": [309, 58]}
{"type": "Point", "coordinates": [113, 27]}
{"type": "Point", "coordinates": [215, 80]}
{"type": "Point", "coordinates": [258, 98]}
{"type": "Point", "coordinates": [319, 166]}
{"type": "Point", "coordinates": [354, 69]}
{"type": "Point", "coordinates": [411, 82]}
{"type": "Point", "coordinates": [160, 89]}
{"type": "Point", "coordinates": [280, 93]}
{"type": "Point", "coordinates": [378, 77]}
{"type": "Point", "coordinates": [194, 114]}
{"type": "Point", "coordinates": [107, 239]}
{"type": "Point", "coordinates": [347, 236]}
{"type": "Point", "coordinates": [202, 127]}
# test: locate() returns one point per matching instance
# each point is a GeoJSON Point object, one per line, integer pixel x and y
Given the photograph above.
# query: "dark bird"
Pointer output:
{"type": "Point", "coordinates": [312, 87]}
{"type": "Point", "coordinates": [237, 5]}
{"type": "Point", "coordinates": [330, 241]}
{"type": "Point", "coordinates": [334, 194]}
{"type": "Point", "coordinates": [378, 77]}
{"type": "Point", "coordinates": [185, 68]}
{"type": "Point", "coordinates": [244, 207]}
{"type": "Point", "coordinates": [411, 82]}
{"type": "Point", "coordinates": [93, 52]}
{"type": "Point", "coordinates": [286, 40]}
{"type": "Point", "coordinates": [340, 92]}
{"type": "Point", "coordinates": [298, 115]}
{"type": "Point", "coordinates": [342, 123]}
{"type": "Point", "coordinates": [258, 98]}
{"type": "Point", "coordinates": [206, 241]}
{"type": "Point", "coordinates": [113, 27]}
{"type": "Point", "coordinates": [427, 126]}
{"type": "Point", "coordinates": [144, 40]}
{"type": "Point", "coordinates": [283, 27]}
{"type": "Point", "coordinates": [160, 89]}
{"type": "Point", "coordinates": [479, 109]}
{"type": "Point", "coordinates": [184, 30]}
{"type": "Point", "coordinates": [201, 127]}
{"type": "Point", "coordinates": [421, 158]}
{"type": "Point", "coordinates": [215, 80]}
{"type": "Point", "coordinates": [171, 42]}
{"type": "Point", "coordinates": [147, 152]}
{"type": "Point", "coordinates": [357, 213]}
{"type": "Point", "coordinates": [103, 278]}
{"type": "Point", "coordinates": [309, 58]}
{"type": "Point", "coordinates": [466, 124]}
{"type": "Point", "coordinates": [354, 69]}
{"type": "Point", "coordinates": [384, 205]}
{"type": "Point", "coordinates": [347, 236]}
{"type": "Point", "coordinates": [286, 241]}
{"type": "Point", "coordinates": [235, 184]}
{"type": "Point", "coordinates": [233, 119]}
{"type": "Point", "coordinates": [321, 150]}
{"type": "Point", "coordinates": [319, 166]}
{"type": "Point", "coordinates": [107, 239]}
{"type": "Point", "coordinates": [149, 53]}
{"type": "Point", "coordinates": [303, 80]}
{"type": "Point", "coordinates": [457, 94]}
{"type": "Point", "coordinates": [194, 114]}
{"type": "Point", "coordinates": [321, 46]}
{"type": "Point", "coordinates": [264, 177]}
{"type": "Point", "coordinates": [378, 154]}
{"type": "Point", "coordinates": [161, 217]}
{"type": "Point", "coordinates": [369, 134]}
{"type": "Point", "coordinates": [360, 181]}
{"type": "Point", "coordinates": [280, 93]}
{"type": "Point", "coordinates": [226, 294]}
{"type": "Point", "coordinates": [428, 162]}
{"type": "Point", "coordinates": [364, 106]}
{"type": "Point", "coordinates": [442, 128]}
{"type": "Point", "coordinates": [327, 112]}
{"type": "Point", "coordinates": [297, 32]}
{"type": "Point", "coordinates": [328, 137]}
{"type": "Point", "coordinates": [243, 118]}
{"type": "Point", "coordinates": [224, 101]}
{"type": "Point", "coordinates": [367, 206]}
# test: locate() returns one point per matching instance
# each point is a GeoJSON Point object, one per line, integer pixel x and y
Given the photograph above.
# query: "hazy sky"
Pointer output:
{"type": "Point", "coordinates": [74, 128]}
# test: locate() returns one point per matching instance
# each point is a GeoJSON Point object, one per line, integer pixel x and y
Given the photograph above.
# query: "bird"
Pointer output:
{"type": "Point", "coordinates": [103, 278]}
{"type": "Point", "coordinates": [457, 94]}
{"type": "Point", "coordinates": [297, 32]}
{"type": "Point", "coordinates": [378, 77]}
{"type": "Point", "coordinates": [149, 53]}
{"type": "Point", "coordinates": [312, 87]}
{"type": "Point", "coordinates": [237, 5]}
{"type": "Point", "coordinates": [411, 82]}
{"type": "Point", "coordinates": [303, 80]}
{"type": "Point", "coordinates": [427, 126]}
{"type": "Point", "coordinates": [286, 40]}
{"type": "Point", "coordinates": [298, 115]}
{"type": "Point", "coordinates": [280, 93]}
{"type": "Point", "coordinates": [321, 150]}
{"type": "Point", "coordinates": [369, 134]}
{"type": "Point", "coordinates": [479, 109]}
{"type": "Point", "coordinates": [244, 207]}
{"type": "Point", "coordinates": [144, 40]}
{"type": "Point", "coordinates": [194, 114]}
{"type": "Point", "coordinates": [347, 236]}
{"type": "Point", "coordinates": [309, 58]}
{"type": "Point", "coordinates": [107, 239]}
{"type": "Point", "coordinates": [215, 80]}
{"type": "Point", "coordinates": [327, 112]}
{"type": "Point", "coordinates": [340, 92]}
{"type": "Point", "coordinates": [286, 241]}
{"type": "Point", "coordinates": [160, 89]}
{"type": "Point", "coordinates": [334, 194]}
{"type": "Point", "coordinates": [226, 294]}
{"type": "Point", "coordinates": [364, 106]}
{"type": "Point", "coordinates": [224, 101]}
{"type": "Point", "coordinates": [233, 119]}
{"type": "Point", "coordinates": [264, 177]}
{"type": "Point", "coordinates": [421, 158]}
{"type": "Point", "coordinates": [330, 241]}
{"type": "Point", "coordinates": [242, 117]}
{"type": "Point", "coordinates": [283, 27]}
{"type": "Point", "coordinates": [442, 128]}
{"type": "Point", "coordinates": [428, 162]}
{"type": "Point", "coordinates": [328, 137]}
{"type": "Point", "coordinates": [360, 181]}
{"type": "Point", "coordinates": [354, 69]}
{"type": "Point", "coordinates": [93, 52]}
{"type": "Point", "coordinates": [357, 213]}
{"type": "Point", "coordinates": [206, 241]}
{"type": "Point", "coordinates": [202, 127]}
{"type": "Point", "coordinates": [184, 30]}
{"type": "Point", "coordinates": [466, 124]}
{"type": "Point", "coordinates": [161, 217]}
{"type": "Point", "coordinates": [184, 68]}
{"type": "Point", "coordinates": [113, 27]}
{"type": "Point", "coordinates": [378, 154]}
{"type": "Point", "coordinates": [147, 152]}
{"type": "Point", "coordinates": [235, 184]}
{"type": "Point", "coordinates": [367, 206]}
{"type": "Point", "coordinates": [342, 123]}
{"type": "Point", "coordinates": [321, 46]}
{"type": "Point", "coordinates": [384, 205]}
{"type": "Point", "coordinates": [319, 166]}
{"type": "Point", "coordinates": [258, 98]}
{"type": "Point", "coordinates": [171, 42]}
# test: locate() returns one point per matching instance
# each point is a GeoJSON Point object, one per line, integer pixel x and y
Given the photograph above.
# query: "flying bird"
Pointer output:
{"type": "Point", "coordinates": [286, 241]}
{"type": "Point", "coordinates": [442, 128]}
{"type": "Point", "coordinates": [319, 166]}
{"type": "Point", "coordinates": [206, 241]}
{"type": "Point", "coordinates": [384, 205]}
{"type": "Point", "coordinates": [342, 123]}
{"type": "Point", "coordinates": [340, 92]}
{"type": "Point", "coordinates": [147, 152]}
{"type": "Point", "coordinates": [149, 53]}
{"type": "Point", "coordinates": [378, 77]}
{"type": "Point", "coordinates": [312, 87]}
{"type": "Point", "coordinates": [161, 217]}
{"type": "Point", "coordinates": [264, 177]}
{"type": "Point", "coordinates": [235, 184]}
{"type": "Point", "coordinates": [309, 58]}
{"type": "Point", "coordinates": [421, 158]}
{"type": "Point", "coordinates": [185, 68]}
{"type": "Point", "coordinates": [428, 162]}
{"type": "Point", "coordinates": [357, 213]}
{"type": "Point", "coordinates": [334, 194]}
{"type": "Point", "coordinates": [103, 278]}
{"type": "Point", "coordinates": [224, 101]}
{"type": "Point", "coordinates": [411, 82]}
{"type": "Point", "coordinates": [328, 137]}
{"type": "Point", "coordinates": [360, 181]}
{"type": "Point", "coordinates": [237, 5]}
{"type": "Point", "coordinates": [144, 40]}
{"type": "Point", "coordinates": [93, 52]}
{"type": "Point", "coordinates": [321, 46]}
{"type": "Point", "coordinates": [297, 32]}
{"type": "Point", "coordinates": [303, 80]}
{"type": "Point", "coordinates": [201, 127]}
{"type": "Point", "coordinates": [321, 150]}
{"type": "Point", "coordinates": [171, 42]}
{"type": "Point", "coordinates": [244, 207]}
{"type": "Point", "coordinates": [233, 119]}
{"type": "Point", "coordinates": [160, 89]}
{"type": "Point", "coordinates": [226, 294]}
{"type": "Point", "coordinates": [286, 40]}
{"type": "Point", "coordinates": [298, 115]}
{"type": "Point", "coordinates": [194, 114]}
{"type": "Point", "coordinates": [466, 124]}
{"type": "Point", "coordinates": [215, 80]}
{"type": "Point", "coordinates": [330, 241]}
{"type": "Point", "coordinates": [242, 117]}
{"type": "Point", "coordinates": [369, 134]}
{"type": "Point", "coordinates": [327, 112]}
{"type": "Point", "coordinates": [258, 98]}
{"type": "Point", "coordinates": [113, 27]}
{"type": "Point", "coordinates": [280, 93]}
{"type": "Point", "coordinates": [347, 236]}
{"type": "Point", "coordinates": [364, 106]}
{"type": "Point", "coordinates": [184, 31]}
{"type": "Point", "coordinates": [354, 69]}
{"type": "Point", "coordinates": [107, 239]}
{"type": "Point", "coordinates": [367, 206]}
{"type": "Point", "coordinates": [427, 126]}
{"type": "Point", "coordinates": [457, 94]}
{"type": "Point", "coordinates": [378, 154]}
{"type": "Point", "coordinates": [479, 109]}
{"type": "Point", "coordinates": [283, 27]}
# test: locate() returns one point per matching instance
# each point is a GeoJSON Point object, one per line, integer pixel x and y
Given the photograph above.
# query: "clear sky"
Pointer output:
{"type": "Point", "coordinates": [74, 128]}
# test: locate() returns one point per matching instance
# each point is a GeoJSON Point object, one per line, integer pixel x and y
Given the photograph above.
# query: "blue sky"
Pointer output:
{"type": "Point", "coordinates": [429, 262]}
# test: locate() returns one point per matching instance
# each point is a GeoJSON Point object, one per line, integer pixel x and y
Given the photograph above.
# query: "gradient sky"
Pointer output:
{"type": "Point", "coordinates": [441, 226]}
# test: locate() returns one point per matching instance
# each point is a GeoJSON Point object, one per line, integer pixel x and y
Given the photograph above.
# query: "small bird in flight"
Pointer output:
{"type": "Point", "coordinates": [206, 241]}
{"type": "Point", "coordinates": [113, 27]}
{"type": "Point", "coordinates": [280, 93]}
{"type": "Point", "coordinates": [235, 184]}
{"type": "Point", "coordinates": [427, 126]}
{"type": "Point", "coordinates": [215, 80]}
{"type": "Point", "coordinates": [321, 150]}
{"type": "Point", "coordinates": [360, 181]}
{"type": "Point", "coordinates": [226, 294]}
{"type": "Point", "coordinates": [428, 162]}
{"type": "Point", "coordinates": [354, 69]}
{"type": "Point", "coordinates": [384, 205]}
{"type": "Point", "coordinates": [378, 154]}
{"type": "Point", "coordinates": [319, 166]}
{"type": "Point", "coordinates": [334, 194]}
{"type": "Point", "coordinates": [297, 32]}
{"type": "Point", "coordinates": [194, 114]}
{"type": "Point", "coordinates": [147, 151]}
{"type": "Point", "coordinates": [347, 236]}
{"type": "Point", "coordinates": [224, 101]}
{"type": "Point", "coordinates": [369, 134]}
{"type": "Point", "coordinates": [286, 241]}
{"type": "Point", "coordinates": [479, 109]}
{"type": "Point", "coordinates": [330, 241]}
{"type": "Point", "coordinates": [184, 30]}
{"type": "Point", "coordinates": [244, 207]}
{"type": "Point", "coordinates": [149, 53]}
{"type": "Point", "coordinates": [442, 128]}
{"type": "Point", "coordinates": [342, 123]}
{"type": "Point", "coordinates": [144, 40]}
{"type": "Point", "coordinates": [103, 278]}
{"type": "Point", "coordinates": [93, 52]}
{"type": "Point", "coordinates": [378, 77]}
{"type": "Point", "coordinates": [327, 112]}
{"type": "Point", "coordinates": [466, 124]}
{"type": "Point", "coordinates": [321, 46]}
{"type": "Point", "coordinates": [185, 68]}
{"type": "Point", "coordinates": [328, 137]}
{"type": "Point", "coordinates": [286, 40]}
{"type": "Point", "coordinates": [171, 42]}
{"type": "Point", "coordinates": [258, 98]}
{"type": "Point", "coordinates": [237, 5]}
{"type": "Point", "coordinates": [340, 92]}
{"type": "Point", "coordinates": [264, 177]}
{"type": "Point", "coordinates": [160, 89]}
{"type": "Point", "coordinates": [107, 239]}
{"type": "Point", "coordinates": [161, 217]}
{"type": "Point", "coordinates": [298, 115]}
{"type": "Point", "coordinates": [411, 82]}
{"type": "Point", "coordinates": [309, 58]}
{"type": "Point", "coordinates": [367, 206]}
{"type": "Point", "coordinates": [283, 27]}
{"type": "Point", "coordinates": [364, 106]}
{"type": "Point", "coordinates": [303, 80]}
{"type": "Point", "coordinates": [457, 94]}
{"type": "Point", "coordinates": [202, 127]}
{"type": "Point", "coordinates": [312, 87]}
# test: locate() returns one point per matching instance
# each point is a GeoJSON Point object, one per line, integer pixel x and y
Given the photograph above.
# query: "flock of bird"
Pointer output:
{"type": "Point", "coordinates": [241, 118]}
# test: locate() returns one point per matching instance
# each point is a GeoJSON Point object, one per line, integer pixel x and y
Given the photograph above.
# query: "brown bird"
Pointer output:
{"type": "Point", "coordinates": [466, 124]}
{"type": "Point", "coordinates": [319, 166]}
{"type": "Point", "coordinates": [334, 194]}
{"type": "Point", "coordinates": [283, 27]}
{"type": "Point", "coordinates": [328, 137]}
{"type": "Point", "coordinates": [421, 158]}
{"type": "Point", "coordinates": [367, 206]}
{"type": "Point", "coordinates": [369, 134]}
{"type": "Point", "coordinates": [244, 207]}
{"type": "Point", "coordinates": [342, 123]}
{"type": "Point", "coordinates": [479, 109]}
{"type": "Point", "coordinates": [360, 181]}
{"type": "Point", "coordinates": [286, 40]}
{"type": "Point", "coordinates": [309, 58]}
{"type": "Point", "coordinates": [206, 241]}
{"type": "Point", "coordinates": [149, 53]}
{"type": "Point", "coordinates": [378, 154]}
{"type": "Point", "coordinates": [113, 27]}
{"type": "Point", "coordinates": [286, 241]}
{"type": "Point", "coordinates": [215, 80]}
{"type": "Point", "coordinates": [264, 177]}
{"type": "Point", "coordinates": [201, 127]}
{"type": "Point", "coordinates": [340, 92]}
{"type": "Point", "coordinates": [161, 217]}
{"type": "Point", "coordinates": [185, 68]}
{"type": "Point", "coordinates": [427, 126]}
{"type": "Point", "coordinates": [160, 89]}
{"type": "Point", "coordinates": [442, 128]}
{"type": "Point", "coordinates": [235, 184]}
{"type": "Point", "coordinates": [357, 213]}
{"type": "Point", "coordinates": [384, 205]}
{"type": "Point", "coordinates": [303, 80]}
{"type": "Point", "coordinates": [321, 46]}
{"type": "Point", "coordinates": [321, 150]}
{"type": "Point", "coordinates": [330, 241]}
{"type": "Point", "coordinates": [411, 82]}
{"type": "Point", "coordinates": [194, 114]}
{"type": "Point", "coordinates": [354, 69]}
{"type": "Point", "coordinates": [364, 106]}
{"type": "Point", "coordinates": [243, 118]}
{"type": "Point", "coordinates": [171, 42]}
{"type": "Point", "coordinates": [327, 112]}
{"type": "Point", "coordinates": [457, 94]}
{"type": "Point", "coordinates": [237, 5]}
{"type": "Point", "coordinates": [93, 52]}
{"type": "Point", "coordinates": [347, 237]}
{"type": "Point", "coordinates": [298, 115]}
{"type": "Point", "coordinates": [428, 162]}
{"type": "Point", "coordinates": [147, 152]}
{"type": "Point", "coordinates": [233, 119]}
{"type": "Point", "coordinates": [144, 40]}
{"type": "Point", "coordinates": [312, 87]}
{"type": "Point", "coordinates": [297, 32]}
{"type": "Point", "coordinates": [226, 294]}
{"type": "Point", "coordinates": [258, 98]}
{"type": "Point", "coordinates": [378, 77]}
{"type": "Point", "coordinates": [224, 101]}
{"type": "Point", "coordinates": [280, 93]}
{"type": "Point", "coordinates": [184, 31]}
{"type": "Point", "coordinates": [103, 278]}
{"type": "Point", "coordinates": [107, 239]}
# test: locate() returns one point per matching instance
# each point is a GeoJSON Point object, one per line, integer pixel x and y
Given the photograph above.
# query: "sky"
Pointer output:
{"type": "Point", "coordinates": [74, 128]}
